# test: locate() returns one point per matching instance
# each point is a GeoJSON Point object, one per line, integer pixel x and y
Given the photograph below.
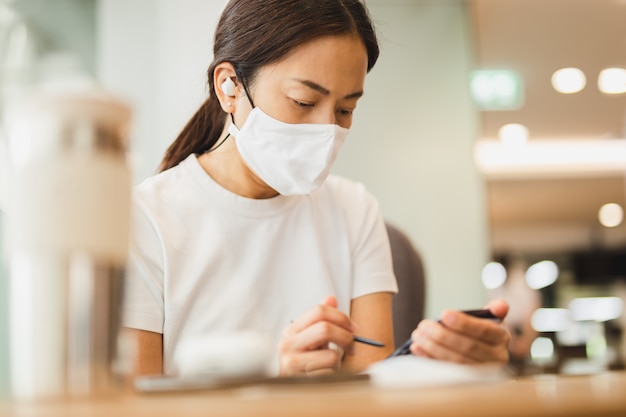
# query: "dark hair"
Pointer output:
{"type": "Point", "coordinates": [254, 33]}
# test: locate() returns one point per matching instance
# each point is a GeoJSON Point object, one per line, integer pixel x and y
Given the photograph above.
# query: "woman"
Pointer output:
{"type": "Point", "coordinates": [242, 229]}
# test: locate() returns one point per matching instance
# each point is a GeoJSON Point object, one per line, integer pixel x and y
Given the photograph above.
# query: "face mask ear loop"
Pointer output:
{"type": "Point", "coordinates": [219, 144]}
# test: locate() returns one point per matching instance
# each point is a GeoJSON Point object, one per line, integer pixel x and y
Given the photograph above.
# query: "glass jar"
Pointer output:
{"type": "Point", "coordinates": [67, 235]}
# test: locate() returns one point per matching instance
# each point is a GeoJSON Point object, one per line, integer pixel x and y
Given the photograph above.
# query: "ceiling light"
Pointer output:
{"type": "Point", "coordinates": [542, 274]}
{"type": "Point", "coordinates": [596, 308]}
{"type": "Point", "coordinates": [493, 275]}
{"type": "Point", "coordinates": [568, 80]}
{"type": "Point", "coordinates": [611, 215]}
{"type": "Point", "coordinates": [541, 158]}
{"type": "Point", "coordinates": [513, 134]}
{"type": "Point", "coordinates": [612, 81]}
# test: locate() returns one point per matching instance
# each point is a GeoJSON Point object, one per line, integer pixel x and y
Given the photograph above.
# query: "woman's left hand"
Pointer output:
{"type": "Point", "coordinates": [461, 338]}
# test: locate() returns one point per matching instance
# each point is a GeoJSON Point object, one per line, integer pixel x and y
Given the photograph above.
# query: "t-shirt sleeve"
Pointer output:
{"type": "Point", "coordinates": [372, 263]}
{"type": "Point", "coordinates": [143, 305]}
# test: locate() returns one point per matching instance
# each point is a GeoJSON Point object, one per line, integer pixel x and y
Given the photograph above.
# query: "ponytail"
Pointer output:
{"type": "Point", "coordinates": [198, 136]}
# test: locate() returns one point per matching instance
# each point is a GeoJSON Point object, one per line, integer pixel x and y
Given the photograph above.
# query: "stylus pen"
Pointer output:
{"type": "Point", "coordinates": [365, 340]}
{"type": "Point", "coordinates": [405, 349]}
{"type": "Point", "coordinates": [368, 341]}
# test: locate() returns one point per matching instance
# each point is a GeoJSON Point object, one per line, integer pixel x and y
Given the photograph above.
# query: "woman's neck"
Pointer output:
{"type": "Point", "coordinates": [226, 167]}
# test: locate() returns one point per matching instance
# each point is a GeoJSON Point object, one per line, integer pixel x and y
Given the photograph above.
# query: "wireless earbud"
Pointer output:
{"type": "Point", "coordinates": [228, 87]}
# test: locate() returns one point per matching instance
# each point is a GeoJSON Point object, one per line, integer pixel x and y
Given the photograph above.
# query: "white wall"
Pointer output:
{"type": "Point", "coordinates": [412, 144]}
{"type": "Point", "coordinates": [4, 322]}
{"type": "Point", "coordinates": [154, 53]}
{"type": "Point", "coordinates": [413, 134]}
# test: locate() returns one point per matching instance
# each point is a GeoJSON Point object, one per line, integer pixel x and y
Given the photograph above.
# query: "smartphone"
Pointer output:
{"type": "Point", "coordinates": [405, 349]}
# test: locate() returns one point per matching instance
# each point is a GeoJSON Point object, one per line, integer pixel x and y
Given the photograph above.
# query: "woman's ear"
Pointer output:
{"type": "Point", "coordinates": [225, 86]}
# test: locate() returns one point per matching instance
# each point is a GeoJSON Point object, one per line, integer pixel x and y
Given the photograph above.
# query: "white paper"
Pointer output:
{"type": "Point", "coordinates": [414, 371]}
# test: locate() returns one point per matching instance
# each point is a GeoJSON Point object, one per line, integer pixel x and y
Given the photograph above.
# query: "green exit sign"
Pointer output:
{"type": "Point", "coordinates": [497, 89]}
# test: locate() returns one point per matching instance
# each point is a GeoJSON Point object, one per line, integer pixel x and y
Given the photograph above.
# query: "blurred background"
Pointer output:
{"type": "Point", "coordinates": [492, 132]}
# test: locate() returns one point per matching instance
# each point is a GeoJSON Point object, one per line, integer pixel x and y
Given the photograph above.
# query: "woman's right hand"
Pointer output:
{"type": "Point", "coordinates": [305, 345]}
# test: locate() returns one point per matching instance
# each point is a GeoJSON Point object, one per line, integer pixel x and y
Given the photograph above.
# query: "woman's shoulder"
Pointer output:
{"type": "Point", "coordinates": [158, 184]}
{"type": "Point", "coordinates": [165, 187]}
{"type": "Point", "coordinates": [350, 194]}
{"type": "Point", "coordinates": [347, 188]}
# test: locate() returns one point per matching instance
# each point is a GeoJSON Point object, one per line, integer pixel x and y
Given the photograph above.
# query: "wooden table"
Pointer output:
{"type": "Point", "coordinates": [571, 396]}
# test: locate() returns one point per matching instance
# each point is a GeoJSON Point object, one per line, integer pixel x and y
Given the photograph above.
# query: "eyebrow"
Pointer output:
{"type": "Point", "coordinates": [325, 91]}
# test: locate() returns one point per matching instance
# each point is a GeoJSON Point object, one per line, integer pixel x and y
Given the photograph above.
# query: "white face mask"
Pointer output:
{"type": "Point", "coordinates": [293, 159]}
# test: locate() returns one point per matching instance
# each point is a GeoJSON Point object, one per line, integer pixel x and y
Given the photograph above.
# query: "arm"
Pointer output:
{"type": "Point", "coordinates": [148, 352]}
{"type": "Point", "coordinates": [143, 306]}
{"type": "Point", "coordinates": [372, 315]}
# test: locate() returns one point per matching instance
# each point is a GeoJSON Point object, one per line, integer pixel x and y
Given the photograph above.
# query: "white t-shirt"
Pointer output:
{"type": "Point", "coordinates": [204, 259]}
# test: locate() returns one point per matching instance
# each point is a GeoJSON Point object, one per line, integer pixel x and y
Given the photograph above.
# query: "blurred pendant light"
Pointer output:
{"type": "Point", "coordinates": [611, 215]}
{"type": "Point", "coordinates": [542, 274]}
{"type": "Point", "coordinates": [493, 275]}
{"type": "Point", "coordinates": [513, 134]}
{"type": "Point", "coordinates": [612, 81]}
{"type": "Point", "coordinates": [569, 80]}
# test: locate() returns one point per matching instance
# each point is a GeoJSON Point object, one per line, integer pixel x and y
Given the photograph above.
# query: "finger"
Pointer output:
{"type": "Point", "coordinates": [418, 351]}
{"type": "Point", "coordinates": [429, 347]}
{"type": "Point", "coordinates": [320, 372]}
{"type": "Point", "coordinates": [321, 313]}
{"type": "Point", "coordinates": [455, 345]}
{"type": "Point", "coordinates": [498, 307]}
{"type": "Point", "coordinates": [330, 301]}
{"type": "Point", "coordinates": [311, 362]}
{"type": "Point", "coordinates": [317, 336]}
{"type": "Point", "coordinates": [487, 331]}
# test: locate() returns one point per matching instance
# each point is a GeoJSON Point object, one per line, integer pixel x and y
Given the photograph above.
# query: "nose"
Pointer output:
{"type": "Point", "coordinates": [326, 115]}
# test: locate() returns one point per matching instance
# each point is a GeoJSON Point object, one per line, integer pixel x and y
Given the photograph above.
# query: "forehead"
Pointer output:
{"type": "Point", "coordinates": [332, 61]}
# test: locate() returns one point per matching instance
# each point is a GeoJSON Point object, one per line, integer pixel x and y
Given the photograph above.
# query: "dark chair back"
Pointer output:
{"type": "Point", "coordinates": [409, 303]}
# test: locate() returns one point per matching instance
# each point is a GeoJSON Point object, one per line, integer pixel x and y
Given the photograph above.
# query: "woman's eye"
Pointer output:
{"type": "Point", "coordinates": [302, 103]}
{"type": "Point", "coordinates": [345, 112]}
